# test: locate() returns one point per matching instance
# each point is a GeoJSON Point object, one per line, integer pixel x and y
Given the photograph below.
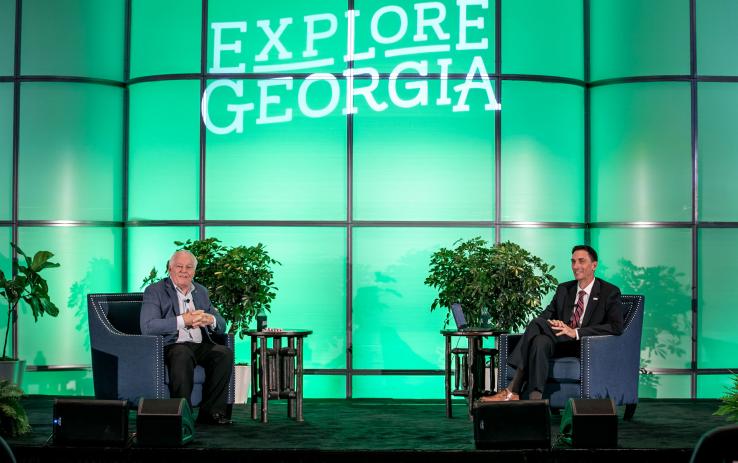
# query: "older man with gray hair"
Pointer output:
{"type": "Point", "coordinates": [180, 310]}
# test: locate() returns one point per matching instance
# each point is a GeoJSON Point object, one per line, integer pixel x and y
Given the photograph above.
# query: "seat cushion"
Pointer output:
{"type": "Point", "coordinates": [565, 370]}
{"type": "Point", "coordinates": [561, 370]}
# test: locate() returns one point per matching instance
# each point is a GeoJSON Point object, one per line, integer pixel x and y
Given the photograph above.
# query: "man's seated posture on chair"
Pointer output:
{"type": "Point", "coordinates": [586, 306]}
{"type": "Point", "coordinates": [179, 309]}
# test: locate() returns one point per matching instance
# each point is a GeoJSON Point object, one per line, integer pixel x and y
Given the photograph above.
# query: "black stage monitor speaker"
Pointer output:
{"type": "Point", "coordinates": [517, 424]}
{"type": "Point", "coordinates": [164, 423]}
{"type": "Point", "coordinates": [594, 423]}
{"type": "Point", "coordinates": [90, 422]}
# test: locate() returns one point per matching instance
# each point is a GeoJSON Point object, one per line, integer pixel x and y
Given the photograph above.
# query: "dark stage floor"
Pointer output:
{"type": "Point", "coordinates": [383, 431]}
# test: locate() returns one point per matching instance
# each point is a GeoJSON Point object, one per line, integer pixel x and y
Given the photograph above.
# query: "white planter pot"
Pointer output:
{"type": "Point", "coordinates": [243, 383]}
{"type": "Point", "coordinates": [12, 370]}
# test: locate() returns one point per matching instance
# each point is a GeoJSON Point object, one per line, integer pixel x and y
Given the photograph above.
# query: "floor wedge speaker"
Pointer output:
{"type": "Point", "coordinates": [90, 422]}
{"type": "Point", "coordinates": [164, 423]}
{"type": "Point", "coordinates": [594, 423]}
{"type": "Point", "coordinates": [520, 424]}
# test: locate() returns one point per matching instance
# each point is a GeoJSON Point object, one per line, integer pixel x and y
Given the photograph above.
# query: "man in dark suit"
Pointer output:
{"type": "Point", "coordinates": [585, 306]}
{"type": "Point", "coordinates": [179, 309]}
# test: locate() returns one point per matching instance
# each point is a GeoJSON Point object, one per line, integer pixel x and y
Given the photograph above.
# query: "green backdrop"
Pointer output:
{"type": "Point", "coordinates": [611, 133]}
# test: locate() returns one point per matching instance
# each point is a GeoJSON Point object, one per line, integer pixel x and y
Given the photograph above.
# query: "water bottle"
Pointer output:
{"type": "Point", "coordinates": [261, 320]}
{"type": "Point", "coordinates": [486, 318]}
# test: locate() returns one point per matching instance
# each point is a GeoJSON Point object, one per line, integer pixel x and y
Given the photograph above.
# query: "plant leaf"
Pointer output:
{"type": "Point", "coordinates": [40, 259]}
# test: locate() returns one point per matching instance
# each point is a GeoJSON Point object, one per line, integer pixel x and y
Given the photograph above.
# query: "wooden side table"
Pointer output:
{"type": "Point", "coordinates": [468, 366]}
{"type": "Point", "coordinates": [276, 372]}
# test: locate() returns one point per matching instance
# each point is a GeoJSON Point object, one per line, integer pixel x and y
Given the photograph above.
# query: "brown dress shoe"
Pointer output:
{"type": "Point", "coordinates": [504, 395]}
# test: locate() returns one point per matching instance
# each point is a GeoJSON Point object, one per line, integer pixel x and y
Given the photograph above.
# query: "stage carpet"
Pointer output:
{"type": "Point", "coordinates": [383, 431]}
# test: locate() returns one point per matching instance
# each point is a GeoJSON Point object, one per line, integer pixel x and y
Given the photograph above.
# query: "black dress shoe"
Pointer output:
{"type": "Point", "coordinates": [215, 418]}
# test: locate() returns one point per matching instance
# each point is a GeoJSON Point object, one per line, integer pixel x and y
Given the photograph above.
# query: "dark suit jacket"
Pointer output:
{"type": "Point", "coordinates": [160, 309]}
{"type": "Point", "coordinates": [603, 314]}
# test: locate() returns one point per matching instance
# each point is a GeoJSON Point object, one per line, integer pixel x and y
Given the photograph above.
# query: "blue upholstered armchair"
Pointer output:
{"type": "Point", "coordinates": [125, 364]}
{"type": "Point", "coordinates": [607, 366]}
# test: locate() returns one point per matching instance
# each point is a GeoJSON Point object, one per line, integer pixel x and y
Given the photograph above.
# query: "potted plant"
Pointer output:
{"type": "Point", "coordinates": [239, 280]}
{"type": "Point", "coordinates": [503, 282]}
{"type": "Point", "coordinates": [27, 285]}
{"type": "Point", "coordinates": [729, 408]}
{"type": "Point", "coordinates": [13, 417]}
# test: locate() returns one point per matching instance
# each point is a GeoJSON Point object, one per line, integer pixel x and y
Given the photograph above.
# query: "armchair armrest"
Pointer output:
{"type": "Point", "coordinates": [230, 343]}
{"type": "Point", "coordinates": [609, 368]}
{"type": "Point", "coordinates": [130, 369]}
{"type": "Point", "coordinates": [507, 344]}
{"type": "Point", "coordinates": [125, 366]}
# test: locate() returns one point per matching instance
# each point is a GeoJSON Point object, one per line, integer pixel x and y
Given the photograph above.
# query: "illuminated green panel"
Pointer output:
{"type": "Point", "coordinates": [5, 265]}
{"type": "Point", "coordinates": [717, 32]}
{"type": "Point", "coordinates": [70, 152]}
{"type": "Point", "coordinates": [664, 387]}
{"type": "Point", "coordinates": [330, 50]}
{"type": "Point", "coordinates": [6, 236]}
{"type": "Point", "coordinates": [393, 327]}
{"type": "Point", "coordinates": [553, 245]}
{"type": "Point", "coordinates": [717, 319]}
{"type": "Point", "coordinates": [426, 162]}
{"type": "Point", "coordinates": [73, 38]}
{"type": "Point", "coordinates": [713, 386]}
{"type": "Point", "coordinates": [390, 41]}
{"type": "Point", "coordinates": [7, 37]}
{"type": "Point", "coordinates": [398, 387]}
{"type": "Point", "coordinates": [6, 151]}
{"type": "Point", "coordinates": [164, 156]}
{"type": "Point", "coordinates": [641, 152]}
{"type": "Point", "coordinates": [152, 247]}
{"type": "Point", "coordinates": [655, 263]}
{"type": "Point", "coordinates": [292, 170]}
{"type": "Point", "coordinates": [90, 261]}
{"type": "Point", "coordinates": [542, 152]}
{"type": "Point", "coordinates": [324, 386]}
{"type": "Point", "coordinates": [165, 37]}
{"type": "Point", "coordinates": [311, 282]}
{"type": "Point", "coordinates": [718, 149]}
{"type": "Point", "coordinates": [543, 37]}
{"type": "Point", "coordinates": [639, 38]}
{"type": "Point", "coordinates": [59, 383]}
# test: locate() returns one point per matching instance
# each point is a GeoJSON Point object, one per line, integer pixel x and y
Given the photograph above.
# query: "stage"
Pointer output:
{"type": "Point", "coordinates": [383, 431]}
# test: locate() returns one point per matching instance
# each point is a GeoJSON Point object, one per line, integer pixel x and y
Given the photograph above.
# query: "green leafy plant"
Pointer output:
{"type": "Point", "coordinates": [729, 408]}
{"type": "Point", "coordinates": [503, 280]}
{"type": "Point", "coordinates": [239, 279]}
{"type": "Point", "coordinates": [13, 417]}
{"type": "Point", "coordinates": [29, 286]}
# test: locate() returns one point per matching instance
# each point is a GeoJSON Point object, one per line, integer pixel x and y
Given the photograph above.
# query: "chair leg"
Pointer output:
{"type": "Point", "coordinates": [630, 409]}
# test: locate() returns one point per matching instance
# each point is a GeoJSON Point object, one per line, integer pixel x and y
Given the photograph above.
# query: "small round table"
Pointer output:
{"type": "Point", "coordinates": [469, 369]}
{"type": "Point", "coordinates": [276, 372]}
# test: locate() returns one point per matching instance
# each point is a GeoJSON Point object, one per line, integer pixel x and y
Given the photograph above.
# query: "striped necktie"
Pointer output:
{"type": "Point", "coordinates": [577, 315]}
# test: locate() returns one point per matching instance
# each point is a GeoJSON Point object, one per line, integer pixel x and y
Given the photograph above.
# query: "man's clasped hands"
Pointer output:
{"type": "Point", "coordinates": [197, 318]}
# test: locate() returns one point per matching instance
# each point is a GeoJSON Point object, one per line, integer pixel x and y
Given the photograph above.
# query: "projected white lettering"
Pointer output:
{"type": "Point", "coordinates": [362, 82]}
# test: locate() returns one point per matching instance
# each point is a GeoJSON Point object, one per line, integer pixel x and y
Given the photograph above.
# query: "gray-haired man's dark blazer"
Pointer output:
{"type": "Point", "coordinates": [160, 309]}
